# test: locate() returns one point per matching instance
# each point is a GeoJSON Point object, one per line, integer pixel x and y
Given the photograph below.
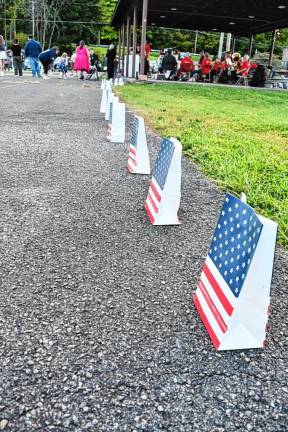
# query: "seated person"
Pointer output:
{"type": "Point", "coordinates": [227, 61]}
{"type": "Point", "coordinates": [160, 61]}
{"type": "Point", "coordinates": [169, 64]}
{"type": "Point", "coordinates": [206, 65]}
{"type": "Point", "coordinates": [186, 67]}
{"type": "Point", "coordinates": [227, 69]}
{"type": "Point", "coordinates": [244, 67]}
{"type": "Point", "coordinates": [217, 67]}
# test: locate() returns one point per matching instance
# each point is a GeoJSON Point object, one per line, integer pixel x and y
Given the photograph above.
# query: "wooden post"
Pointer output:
{"type": "Point", "coordinates": [143, 36]}
{"type": "Point", "coordinates": [128, 37]}
{"type": "Point", "coordinates": [250, 45]}
{"type": "Point", "coordinates": [273, 40]}
{"type": "Point", "coordinates": [134, 40]}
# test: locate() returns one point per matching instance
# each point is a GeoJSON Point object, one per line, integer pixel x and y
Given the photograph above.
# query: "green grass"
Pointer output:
{"type": "Point", "coordinates": [238, 137]}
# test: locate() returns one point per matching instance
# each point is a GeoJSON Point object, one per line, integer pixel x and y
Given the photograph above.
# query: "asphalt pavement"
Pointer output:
{"type": "Point", "coordinates": [97, 327]}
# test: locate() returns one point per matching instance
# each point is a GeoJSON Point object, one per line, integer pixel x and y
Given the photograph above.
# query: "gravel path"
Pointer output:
{"type": "Point", "coordinates": [97, 327]}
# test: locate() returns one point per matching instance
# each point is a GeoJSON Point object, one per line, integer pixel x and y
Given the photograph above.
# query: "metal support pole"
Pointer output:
{"type": "Point", "coordinates": [128, 37]}
{"type": "Point", "coordinates": [233, 43]}
{"type": "Point", "coordinates": [228, 42]}
{"type": "Point", "coordinates": [143, 36]}
{"type": "Point", "coordinates": [134, 40]}
{"type": "Point", "coordinates": [273, 40]}
{"type": "Point", "coordinates": [221, 42]}
{"type": "Point", "coordinates": [250, 45]}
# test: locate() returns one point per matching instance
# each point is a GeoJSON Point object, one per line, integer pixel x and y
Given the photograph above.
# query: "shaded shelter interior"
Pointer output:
{"type": "Point", "coordinates": [240, 18]}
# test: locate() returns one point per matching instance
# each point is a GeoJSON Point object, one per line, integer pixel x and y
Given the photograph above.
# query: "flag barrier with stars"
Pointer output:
{"type": "Point", "coordinates": [110, 97]}
{"type": "Point", "coordinates": [164, 192]}
{"type": "Point", "coordinates": [233, 293]}
{"type": "Point", "coordinates": [138, 157]}
{"type": "Point", "coordinates": [116, 129]}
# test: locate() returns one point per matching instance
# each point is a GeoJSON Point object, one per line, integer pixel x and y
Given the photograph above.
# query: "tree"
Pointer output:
{"type": "Point", "coordinates": [107, 7]}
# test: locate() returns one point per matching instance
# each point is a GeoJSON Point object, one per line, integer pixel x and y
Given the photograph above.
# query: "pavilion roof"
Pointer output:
{"type": "Point", "coordinates": [241, 17]}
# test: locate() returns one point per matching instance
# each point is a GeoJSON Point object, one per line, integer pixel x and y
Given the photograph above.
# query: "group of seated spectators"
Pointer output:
{"type": "Point", "coordinates": [228, 69]}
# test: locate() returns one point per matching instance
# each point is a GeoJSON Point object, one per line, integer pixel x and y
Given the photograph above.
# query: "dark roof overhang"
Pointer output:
{"type": "Point", "coordinates": [240, 17]}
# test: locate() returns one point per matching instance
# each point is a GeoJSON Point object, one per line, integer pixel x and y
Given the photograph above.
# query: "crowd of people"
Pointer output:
{"type": "Point", "coordinates": [82, 62]}
{"type": "Point", "coordinates": [230, 68]}
{"type": "Point", "coordinates": [170, 65]}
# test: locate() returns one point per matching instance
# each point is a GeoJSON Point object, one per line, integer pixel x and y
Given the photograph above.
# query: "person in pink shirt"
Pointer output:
{"type": "Point", "coordinates": [82, 60]}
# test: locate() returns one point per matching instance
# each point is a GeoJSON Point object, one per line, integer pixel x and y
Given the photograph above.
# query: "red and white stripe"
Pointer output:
{"type": "Point", "coordinates": [132, 160]}
{"type": "Point", "coordinates": [109, 134]}
{"type": "Point", "coordinates": [214, 301]}
{"type": "Point", "coordinates": [153, 200]}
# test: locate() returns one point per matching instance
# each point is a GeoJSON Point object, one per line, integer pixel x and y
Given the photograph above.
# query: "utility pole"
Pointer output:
{"type": "Point", "coordinates": [33, 18]}
{"type": "Point", "coordinates": [15, 16]}
{"type": "Point", "coordinates": [5, 22]}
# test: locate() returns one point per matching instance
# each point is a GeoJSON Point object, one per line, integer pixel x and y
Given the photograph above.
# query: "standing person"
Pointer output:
{"type": "Point", "coordinates": [32, 51]}
{"type": "Point", "coordinates": [63, 66]}
{"type": "Point", "coordinates": [94, 60]}
{"type": "Point", "coordinates": [17, 58]}
{"type": "Point", "coordinates": [47, 59]}
{"type": "Point", "coordinates": [148, 50]}
{"type": "Point", "coordinates": [82, 61]}
{"type": "Point", "coordinates": [111, 55]}
{"type": "Point", "coordinates": [73, 58]}
{"type": "Point", "coordinates": [160, 61]}
{"type": "Point", "coordinates": [3, 55]}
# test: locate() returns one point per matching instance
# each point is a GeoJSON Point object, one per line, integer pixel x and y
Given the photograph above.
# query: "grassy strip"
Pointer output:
{"type": "Point", "coordinates": [238, 137]}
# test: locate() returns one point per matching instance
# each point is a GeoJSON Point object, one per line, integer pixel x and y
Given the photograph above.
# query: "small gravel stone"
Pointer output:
{"type": "Point", "coordinates": [3, 424]}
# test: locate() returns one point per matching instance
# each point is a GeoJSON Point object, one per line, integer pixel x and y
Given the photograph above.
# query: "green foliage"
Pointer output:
{"type": "Point", "coordinates": [22, 37]}
{"type": "Point", "coordinates": [100, 51]}
{"type": "Point", "coordinates": [185, 41]}
{"type": "Point", "coordinates": [79, 21]}
{"type": "Point", "coordinates": [238, 137]}
{"type": "Point", "coordinates": [107, 7]}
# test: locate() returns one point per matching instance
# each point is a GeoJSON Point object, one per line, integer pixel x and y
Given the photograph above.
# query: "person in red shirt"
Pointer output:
{"type": "Point", "coordinates": [186, 67]}
{"type": "Point", "coordinates": [245, 67]}
{"type": "Point", "coordinates": [216, 69]}
{"type": "Point", "coordinates": [148, 50]}
{"type": "Point", "coordinates": [206, 65]}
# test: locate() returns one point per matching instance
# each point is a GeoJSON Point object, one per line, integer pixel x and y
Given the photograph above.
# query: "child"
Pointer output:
{"type": "Point", "coordinates": [63, 66]}
{"type": "Point", "coordinates": [73, 58]}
